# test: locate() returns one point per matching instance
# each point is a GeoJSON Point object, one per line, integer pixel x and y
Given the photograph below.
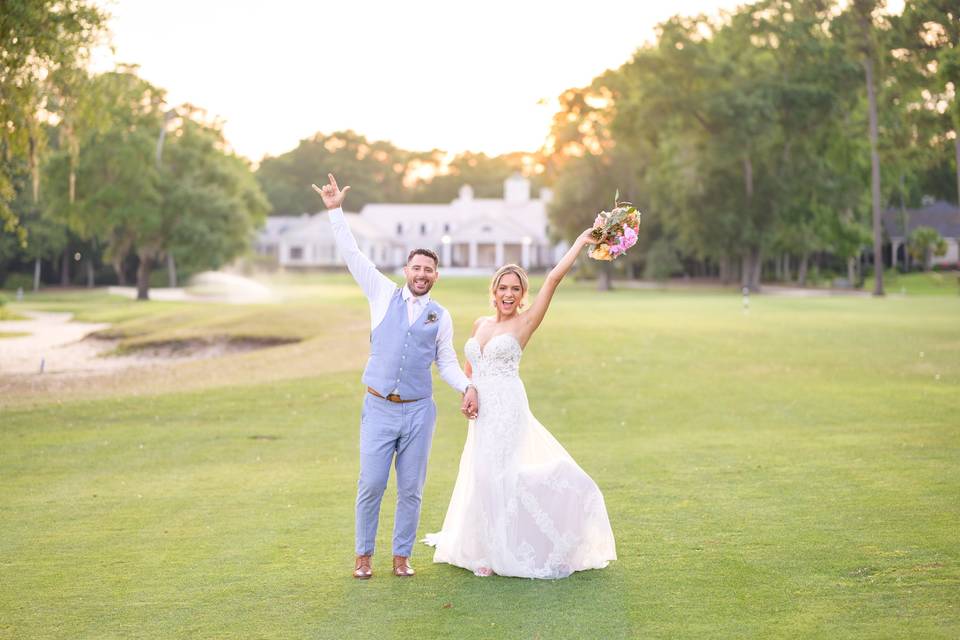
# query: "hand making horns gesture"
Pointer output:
{"type": "Point", "coordinates": [331, 193]}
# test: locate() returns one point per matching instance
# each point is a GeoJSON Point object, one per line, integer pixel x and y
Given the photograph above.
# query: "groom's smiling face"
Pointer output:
{"type": "Point", "coordinates": [421, 272]}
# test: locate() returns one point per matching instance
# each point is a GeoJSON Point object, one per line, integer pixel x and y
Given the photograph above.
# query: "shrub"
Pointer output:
{"type": "Point", "coordinates": [17, 280]}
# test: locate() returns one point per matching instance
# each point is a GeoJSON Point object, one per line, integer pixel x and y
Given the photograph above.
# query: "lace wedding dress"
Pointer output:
{"type": "Point", "coordinates": [521, 506]}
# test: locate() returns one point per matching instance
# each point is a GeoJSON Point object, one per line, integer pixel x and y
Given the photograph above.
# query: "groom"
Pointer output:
{"type": "Point", "coordinates": [409, 332]}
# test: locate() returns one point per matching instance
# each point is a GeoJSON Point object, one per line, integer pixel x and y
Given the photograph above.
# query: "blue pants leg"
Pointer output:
{"type": "Point", "coordinates": [389, 429]}
{"type": "Point", "coordinates": [413, 451]}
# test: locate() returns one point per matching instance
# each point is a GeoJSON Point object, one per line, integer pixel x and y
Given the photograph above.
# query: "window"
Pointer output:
{"type": "Point", "coordinates": [446, 227]}
{"type": "Point", "coordinates": [399, 228]}
{"type": "Point", "coordinates": [423, 229]}
{"type": "Point", "coordinates": [296, 253]}
{"type": "Point", "coordinates": [487, 228]}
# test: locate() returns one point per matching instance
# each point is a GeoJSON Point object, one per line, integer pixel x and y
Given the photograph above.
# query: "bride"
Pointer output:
{"type": "Point", "coordinates": [521, 506]}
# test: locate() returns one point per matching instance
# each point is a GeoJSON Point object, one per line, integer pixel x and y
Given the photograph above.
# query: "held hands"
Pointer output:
{"type": "Point", "coordinates": [331, 193]}
{"type": "Point", "coordinates": [470, 405]}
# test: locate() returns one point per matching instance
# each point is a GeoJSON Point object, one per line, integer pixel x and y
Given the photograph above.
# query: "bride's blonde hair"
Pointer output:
{"type": "Point", "coordinates": [520, 273]}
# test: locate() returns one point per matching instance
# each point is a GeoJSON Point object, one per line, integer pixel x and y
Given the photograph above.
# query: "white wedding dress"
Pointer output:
{"type": "Point", "coordinates": [521, 506]}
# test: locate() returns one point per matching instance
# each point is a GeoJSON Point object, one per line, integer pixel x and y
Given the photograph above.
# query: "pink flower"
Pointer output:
{"type": "Point", "coordinates": [599, 222]}
{"type": "Point", "coordinates": [629, 238]}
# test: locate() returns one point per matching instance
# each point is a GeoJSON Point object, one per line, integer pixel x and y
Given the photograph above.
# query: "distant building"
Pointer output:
{"type": "Point", "coordinates": [940, 215]}
{"type": "Point", "coordinates": [469, 234]}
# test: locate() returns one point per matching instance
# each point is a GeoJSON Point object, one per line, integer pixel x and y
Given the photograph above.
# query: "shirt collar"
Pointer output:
{"type": "Point", "coordinates": [407, 294]}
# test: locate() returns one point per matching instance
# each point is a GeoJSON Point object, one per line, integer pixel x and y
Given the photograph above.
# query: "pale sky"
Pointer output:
{"type": "Point", "coordinates": [423, 74]}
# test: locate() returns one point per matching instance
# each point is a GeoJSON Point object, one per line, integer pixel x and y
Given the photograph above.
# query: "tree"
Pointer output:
{"type": "Point", "coordinates": [211, 198]}
{"type": "Point", "coordinates": [485, 174]}
{"type": "Point", "coordinates": [927, 44]}
{"type": "Point", "coordinates": [586, 167]}
{"type": "Point", "coordinates": [37, 37]}
{"type": "Point", "coordinates": [858, 25]}
{"type": "Point", "coordinates": [376, 171]}
{"type": "Point", "coordinates": [924, 243]}
{"type": "Point", "coordinates": [114, 194]}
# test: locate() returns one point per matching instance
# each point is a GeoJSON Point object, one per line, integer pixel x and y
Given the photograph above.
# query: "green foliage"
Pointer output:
{"type": "Point", "coordinates": [924, 243]}
{"type": "Point", "coordinates": [16, 281]}
{"type": "Point", "coordinates": [378, 171]}
{"type": "Point", "coordinates": [211, 198]}
{"type": "Point", "coordinates": [375, 171]}
{"type": "Point", "coordinates": [662, 261]}
{"type": "Point", "coordinates": [744, 134]}
{"type": "Point", "coordinates": [200, 203]}
{"type": "Point", "coordinates": [41, 42]}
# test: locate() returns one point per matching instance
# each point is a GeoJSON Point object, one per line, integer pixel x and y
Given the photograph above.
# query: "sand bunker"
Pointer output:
{"type": "Point", "coordinates": [55, 345]}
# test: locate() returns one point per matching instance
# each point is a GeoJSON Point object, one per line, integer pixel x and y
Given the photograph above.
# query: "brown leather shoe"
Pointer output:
{"type": "Point", "coordinates": [362, 569]}
{"type": "Point", "coordinates": [402, 568]}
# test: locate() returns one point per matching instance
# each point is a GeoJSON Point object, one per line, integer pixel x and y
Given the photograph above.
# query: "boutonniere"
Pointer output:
{"type": "Point", "coordinates": [432, 317]}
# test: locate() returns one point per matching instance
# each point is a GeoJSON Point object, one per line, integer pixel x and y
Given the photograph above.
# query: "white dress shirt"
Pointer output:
{"type": "Point", "coordinates": [379, 290]}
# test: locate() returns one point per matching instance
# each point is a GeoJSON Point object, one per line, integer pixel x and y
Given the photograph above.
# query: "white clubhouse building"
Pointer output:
{"type": "Point", "coordinates": [471, 235]}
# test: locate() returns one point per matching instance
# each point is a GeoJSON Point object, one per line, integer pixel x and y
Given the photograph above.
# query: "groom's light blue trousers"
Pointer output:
{"type": "Point", "coordinates": [399, 434]}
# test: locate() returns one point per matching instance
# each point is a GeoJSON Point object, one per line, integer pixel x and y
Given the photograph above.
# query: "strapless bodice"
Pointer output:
{"type": "Point", "coordinates": [500, 357]}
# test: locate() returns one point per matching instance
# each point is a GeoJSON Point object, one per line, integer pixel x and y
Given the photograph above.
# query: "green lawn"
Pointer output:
{"type": "Point", "coordinates": [791, 472]}
{"type": "Point", "coordinates": [932, 283]}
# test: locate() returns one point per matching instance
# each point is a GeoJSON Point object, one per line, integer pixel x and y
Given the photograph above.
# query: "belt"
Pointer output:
{"type": "Point", "coordinates": [392, 397]}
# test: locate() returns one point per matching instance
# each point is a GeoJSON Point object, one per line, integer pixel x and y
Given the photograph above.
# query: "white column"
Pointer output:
{"type": "Point", "coordinates": [473, 254]}
{"type": "Point", "coordinates": [525, 255]}
{"type": "Point", "coordinates": [446, 257]}
{"type": "Point", "coordinates": [498, 254]}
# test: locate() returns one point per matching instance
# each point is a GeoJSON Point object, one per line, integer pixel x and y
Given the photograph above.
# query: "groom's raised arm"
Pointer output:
{"type": "Point", "coordinates": [374, 284]}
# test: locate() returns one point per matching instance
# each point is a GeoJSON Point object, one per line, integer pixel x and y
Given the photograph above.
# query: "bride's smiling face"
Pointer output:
{"type": "Point", "coordinates": [508, 294]}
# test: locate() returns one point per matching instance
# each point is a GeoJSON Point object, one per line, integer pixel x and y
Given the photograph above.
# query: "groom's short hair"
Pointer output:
{"type": "Point", "coordinates": [424, 252]}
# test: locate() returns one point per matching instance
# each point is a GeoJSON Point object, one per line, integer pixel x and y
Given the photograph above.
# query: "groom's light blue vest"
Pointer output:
{"type": "Point", "coordinates": [401, 354]}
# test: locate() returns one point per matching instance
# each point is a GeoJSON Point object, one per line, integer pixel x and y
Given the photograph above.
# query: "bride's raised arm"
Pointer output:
{"type": "Point", "coordinates": [534, 316]}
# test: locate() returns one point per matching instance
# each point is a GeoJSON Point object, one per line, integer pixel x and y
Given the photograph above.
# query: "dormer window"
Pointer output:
{"type": "Point", "coordinates": [446, 227]}
{"type": "Point", "coordinates": [423, 229]}
{"type": "Point", "coordinates": [399, 228]}
{"type": "Point", "coordinates": [486, 228]}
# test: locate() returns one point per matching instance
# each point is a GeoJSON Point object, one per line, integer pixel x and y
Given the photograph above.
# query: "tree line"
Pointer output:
{"type": "Point", "coordinates": [762, 137]}
{"type": "Point", "coordinates": [98, 171]}
{"type": "Point", "coordinates": [759, 140]}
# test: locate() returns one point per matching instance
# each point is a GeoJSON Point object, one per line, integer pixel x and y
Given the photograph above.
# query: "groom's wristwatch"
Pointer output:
{"type": "Point", "coordinates": [468, 387]}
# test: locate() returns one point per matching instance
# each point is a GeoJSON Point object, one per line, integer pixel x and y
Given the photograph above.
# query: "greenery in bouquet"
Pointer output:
{"type": "Point", "coordinates": [615, 231]}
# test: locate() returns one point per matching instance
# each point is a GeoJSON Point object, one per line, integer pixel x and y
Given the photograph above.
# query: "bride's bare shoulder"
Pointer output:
{"type": "Point", "coordinates": [479, 322]}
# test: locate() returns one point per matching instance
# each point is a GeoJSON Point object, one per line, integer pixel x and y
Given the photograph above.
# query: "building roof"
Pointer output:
{"type": "Point", "coordinates": [941, 215]}
{"type": "Point", "coordinates": [276, 226]}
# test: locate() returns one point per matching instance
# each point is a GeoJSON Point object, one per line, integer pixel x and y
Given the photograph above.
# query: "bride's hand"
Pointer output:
{"type": "Point", "coordinates": [470, 404]}
{"type": "Point", "coordinates": [586, 237]}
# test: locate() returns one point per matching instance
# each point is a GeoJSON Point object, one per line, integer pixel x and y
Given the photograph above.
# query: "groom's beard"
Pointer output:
{"type": "Point", "coordinates": [420, 292]}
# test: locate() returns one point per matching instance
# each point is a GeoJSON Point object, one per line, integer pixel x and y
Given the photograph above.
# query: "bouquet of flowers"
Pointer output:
{"type": "Point", "coordinates": [615, 231]}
